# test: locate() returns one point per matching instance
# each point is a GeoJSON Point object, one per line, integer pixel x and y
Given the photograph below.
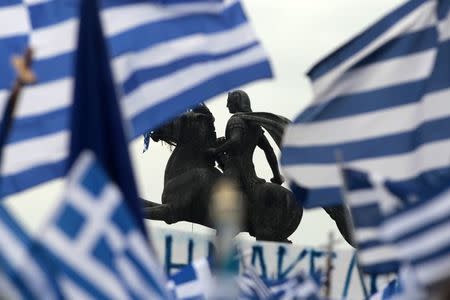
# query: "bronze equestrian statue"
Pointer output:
{"type": "Point", "coordinates": [271, 210]}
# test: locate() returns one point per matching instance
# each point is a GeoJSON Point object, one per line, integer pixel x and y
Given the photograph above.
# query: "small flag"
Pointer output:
{"type": "Point", "coordinates": [364, 199]}
{"type": "Point", "coordinates": [421, 234]}
{"type": "Point", "coordinates": [299, 287]}
{"type": "Point", "coordinates": [193, 282]}
{"type": "Point", "coordinates": [251, 286]}
{"type": "Point", "coordinates": [94, 243]}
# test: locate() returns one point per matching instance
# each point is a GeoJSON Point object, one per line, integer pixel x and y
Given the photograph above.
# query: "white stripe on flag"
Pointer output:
{"type": "Point", "coordinates": [14, 20]}
{"type": "Point", "coordinates": [378, 255]}
{"type": "Point", "coordinates": [24, 155]}
{"type": "Point", "coordinates": [361, 198]}
{"type": "Point", "coordinates": [433, 270]}
{"type": "Point", "coordinates": [363, 235]}
{"type": "Point", "coordinates": [44, 98]}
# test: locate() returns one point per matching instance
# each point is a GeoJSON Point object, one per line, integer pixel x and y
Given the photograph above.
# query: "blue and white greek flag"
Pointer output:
{"type": "Point", "coordinates": [22, 276]}
{"type": "Point", "coordinates": [194, 281]}
{"type": "Point", "coordinates": [382, 100]}
{"type": "Point", "coordinates": [300, 287]}
{"type": "Point", "coordinates": [421, 235]}
{"type": "Point", "coordinates": [404, 287]}
{"type": "Point", "coordinates": [95, 244]}
{"type": "Point", "coordinates": [166, 57]}
{"type": "Point", "coordinates": [365, 198]}
{"type": "Point", "coordinates": [251, 286]}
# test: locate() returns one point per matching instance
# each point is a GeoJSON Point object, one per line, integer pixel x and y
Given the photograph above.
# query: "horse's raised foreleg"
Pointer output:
{"type": "Point", "coordinates": [161, 212]}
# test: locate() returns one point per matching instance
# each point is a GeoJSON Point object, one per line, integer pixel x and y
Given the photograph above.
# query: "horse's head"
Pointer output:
{"type": "Point", "coordinates": [195, 126]}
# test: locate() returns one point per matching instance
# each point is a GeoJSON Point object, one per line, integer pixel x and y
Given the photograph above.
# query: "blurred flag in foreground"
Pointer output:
{"type": "Point", "coordinates": [166, 56]}
{"type": "Point", "coordinates": [364, 198]}
{"type": "Point", "coordinates": [96, 239]}
{"type": "Point", "coordinates": [22, 275]}
{"type": "Point", "coordinates": [193, 282]}
{"type": "Point", "coordinates": [96, 118]}
{"type": "Point", "coordinates": [381, 100]}
{"type": "Point", "coordinates": [94, 243]}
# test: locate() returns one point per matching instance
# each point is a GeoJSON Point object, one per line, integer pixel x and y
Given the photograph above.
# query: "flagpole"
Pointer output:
{"type": "Point", "coordinates": [330, 249]}
{"type": "Point", "coordinates": [344, 192]}
{"type": "Point", "coordinates": [24, 76]}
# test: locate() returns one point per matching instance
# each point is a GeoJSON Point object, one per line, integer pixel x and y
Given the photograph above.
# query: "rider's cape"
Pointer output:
{"type": "Point", "coordinates": [272, 123]}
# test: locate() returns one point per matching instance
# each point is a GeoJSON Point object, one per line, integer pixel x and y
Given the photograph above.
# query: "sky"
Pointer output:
{"type": "Point", "coordinates": [296, 35]}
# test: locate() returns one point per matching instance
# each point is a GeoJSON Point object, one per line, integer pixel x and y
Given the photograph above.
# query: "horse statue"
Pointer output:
{"type": "Point", "coordinates": [271, 213]}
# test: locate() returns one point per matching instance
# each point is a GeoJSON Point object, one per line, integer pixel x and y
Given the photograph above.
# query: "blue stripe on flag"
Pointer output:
{"type": "Point", "coordinates": [27, 128]}
{"type": "Point", "coordinates": [5, 3]}
{"type": "Point", "coordinates": [430, 256]}
{"type": "Point", "coordinates": [374, 100]}
{"type": "Point", "coordinates": [52, 12]}
{"type": "Point", "coordinates": [31, 177]}
{"type": "Point", "coordinates": [10, 46]}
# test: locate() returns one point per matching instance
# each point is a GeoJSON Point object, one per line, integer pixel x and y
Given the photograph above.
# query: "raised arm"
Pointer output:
{"type": "Point", "coordinates": [264, 144]}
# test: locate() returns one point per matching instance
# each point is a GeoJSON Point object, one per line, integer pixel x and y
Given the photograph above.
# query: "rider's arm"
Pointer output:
{"type": "Point", "coordinates": [264, 144]}
{"type": "Point", "coordinates": [233, 139]}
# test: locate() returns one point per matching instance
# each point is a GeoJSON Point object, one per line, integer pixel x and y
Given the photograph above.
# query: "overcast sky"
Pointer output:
{"type": "Point", "coordinates": [296, 34]}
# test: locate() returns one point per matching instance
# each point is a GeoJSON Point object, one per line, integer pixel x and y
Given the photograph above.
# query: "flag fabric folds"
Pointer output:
{"type": "Point", "coordinates": [364, 198]}
{"type": "Point", "coordinates": [251, 286]}
{"type": "Point", "coordinates": [22, 275]}
{"type": "Point", "coordinates": [96, 119]}
{"type": "Point", "coordinates": [94, 243]}
{"type": "Point", "coordinates": [166, 57]}
{"type": "Point", "coordinates": [381, 100]}
{"type": "Point", "coordinates": [421, 234]}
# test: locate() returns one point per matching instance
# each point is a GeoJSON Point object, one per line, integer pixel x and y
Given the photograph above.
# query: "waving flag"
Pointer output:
{"type": "Point", "coordinates": [96, 119]}
{"type": "Point", "coordinates": [193, 282]}
{"type": "Point", "coordinates": [381, 100]}
{"type": "Point", "coordinates": [364, 199]}
{"type": "Point", "coordinates": [95, 244]}
{"type": "Point", "coordinates": [421, 235]}
{"type": "Point", "coordinates": [166, 57]}
{"type": "Point", "coordinates": [299, 287]}
{"type": "Point", "coordinates": [22, 276]}
{"type": "Point", "coordinates": [251, 286]}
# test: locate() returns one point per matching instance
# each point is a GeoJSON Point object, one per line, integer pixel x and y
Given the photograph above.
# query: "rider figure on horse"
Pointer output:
{"type": "Point", "coordinates": [242, 135]}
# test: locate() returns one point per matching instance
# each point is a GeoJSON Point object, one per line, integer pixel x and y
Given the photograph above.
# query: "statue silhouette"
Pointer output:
{"type": "Point", "coordinates": [190, 175]}
{"type": "Point", "coordinates": [271, 211]}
